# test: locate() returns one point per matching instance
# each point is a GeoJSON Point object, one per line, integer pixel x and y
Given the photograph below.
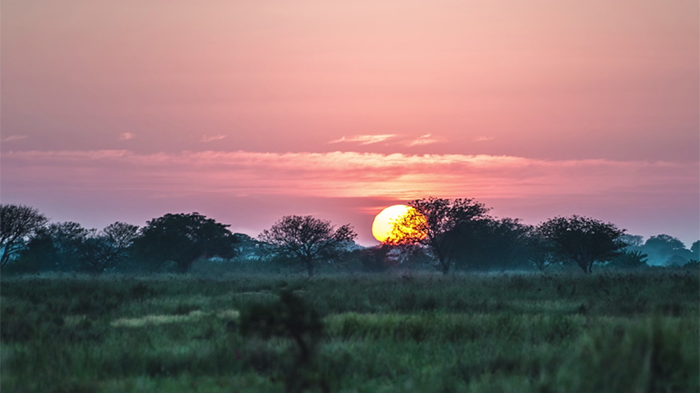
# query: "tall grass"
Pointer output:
{"type": "Point", "coordinates": [606, 332]}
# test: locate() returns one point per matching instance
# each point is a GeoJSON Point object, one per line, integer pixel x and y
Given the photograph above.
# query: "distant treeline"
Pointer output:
{"type": "Point", "coordinates": [455, 235]}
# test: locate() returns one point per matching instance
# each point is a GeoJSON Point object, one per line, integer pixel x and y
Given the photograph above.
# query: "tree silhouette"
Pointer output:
{"type": "Point", "coordinates": [539, 251]}
{"type": "Point", "coordinates": [182, 238]}
{"type": "Point", "coordinates": [18, 223]}
{"type": "Point", "coordinates": [377, 258]}
{"type": "Point", "coordinates": [632, 241]}
{"type": "Point", "coordinates": [307, 240]}
{"type": "Point", "coordinates": [487, 244]}
{"type": "Point", "coordinates": [105, 249]}
{"type": "Point", "coordinates": [63, 246]}
{"type": "Point", "coordinates": [435, 224]}
{"type": "Point", "coordinates": [582, 240]}
{"type": "Point", "coordinates": [666, 250]}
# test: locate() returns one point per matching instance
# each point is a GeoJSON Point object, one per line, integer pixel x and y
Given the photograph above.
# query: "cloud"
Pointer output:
{"type": "Point", "coordinates": [206, 139]}
{"type": "Point", "coordinates": [13, 138]}
{"type": "Point", "coordinates": [424, 140]}
{"type": "Point", "coordinates": [371, 139]}
{"type": "Point", "coordinates": [253, 189]}
{"type": "Point", "coordinates": [364, 139]}
{"type": "Point", "coordinates": [483, 138]}
{"type": "Point", "coordinates": [343, 174]}
{"type": "Point", "coordinates": [125, 136]}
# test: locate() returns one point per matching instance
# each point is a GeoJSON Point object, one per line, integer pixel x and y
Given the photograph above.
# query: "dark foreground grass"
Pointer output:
{"type": "Point", "coordinates": [392, 333]}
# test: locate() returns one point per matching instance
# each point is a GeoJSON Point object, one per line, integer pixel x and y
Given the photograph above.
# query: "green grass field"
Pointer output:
{"type": "Point", "coordinates": [607, 332]}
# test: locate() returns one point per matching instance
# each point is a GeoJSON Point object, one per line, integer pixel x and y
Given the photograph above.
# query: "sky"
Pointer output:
{"type": "Point", "coordinates": [246, 111]}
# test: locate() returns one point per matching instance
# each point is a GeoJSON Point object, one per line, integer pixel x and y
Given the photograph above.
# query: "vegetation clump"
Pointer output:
{"type": "Point", "coordinates": [290, 318]}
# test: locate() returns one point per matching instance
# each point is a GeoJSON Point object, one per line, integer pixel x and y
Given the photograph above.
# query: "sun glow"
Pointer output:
{"type": "Point", "coordinates": [384, 227]}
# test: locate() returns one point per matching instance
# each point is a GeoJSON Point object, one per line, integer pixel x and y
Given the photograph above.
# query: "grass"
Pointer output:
{"type": "Point", "coordinates": [607, 332]}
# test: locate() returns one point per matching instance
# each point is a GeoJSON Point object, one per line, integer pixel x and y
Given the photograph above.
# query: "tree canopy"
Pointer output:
{"type": "Point", "coordinates": [435, 224]}
{"type": "Point", "coordinates": [105, 249]}
{"type": "Point", "coordinates": [307, 240]}
{"type": "Point", "coordinates": [666, 250]}
{"type": "Point", "coordinates": [488, 244]}
{"type": "Point", "coordinates": [182, 238]}
{"type": "Point", "coordinates": [582, 240]}
{"type": "Point", "coordinates": [17, 224]}
{"type": "Point", "coordinates": [59, 243]}
{"type": "Point", "coordinates": [443, 233]}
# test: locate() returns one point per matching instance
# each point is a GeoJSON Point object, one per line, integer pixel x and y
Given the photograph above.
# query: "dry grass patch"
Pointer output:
{"type": "Point", "coordinates": [166, 319]}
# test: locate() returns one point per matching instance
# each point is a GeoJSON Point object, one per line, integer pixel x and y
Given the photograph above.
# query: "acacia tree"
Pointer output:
{"type": "Point", "coordinates": [487, 244]}
{"type": "Point", "coordinates": [307, 240]}
{"type": "Point", "coordinates": [539, 250]}
{"type": "Point", "coordinates": [582, 240]}
{"type": "Point", "coordinates": [18, 223]}
{"type": "Point", "coordinates": [105, 249]}
{"type": "Point", "coordinates": [182, 238]}
{"type": "Point", "coordinates": [64, 242]}
{"type": "Point", "coordinates": [55, 247]}
{"type": "Point", "coordinates": [437, 224]}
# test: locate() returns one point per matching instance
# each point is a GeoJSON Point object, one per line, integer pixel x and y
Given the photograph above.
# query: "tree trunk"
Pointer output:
{"type": "Point", "coordinates": [310, 269]}
{"type": "Point", "coordinates": [583, 265]}
{"type": "Point", "coordinates": [184, 266]}
{"type": "Point", "coordinates": [586, 266]}
{"type": "Point", "coordinates": [445, 267]}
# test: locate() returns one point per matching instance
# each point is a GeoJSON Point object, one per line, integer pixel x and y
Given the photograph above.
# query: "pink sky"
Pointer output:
{"type": "Point", "coordinates": [247, 111]}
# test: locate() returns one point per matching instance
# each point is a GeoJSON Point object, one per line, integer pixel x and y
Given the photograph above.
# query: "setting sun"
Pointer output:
{"type": "Point", "coordinates": [384, 222]}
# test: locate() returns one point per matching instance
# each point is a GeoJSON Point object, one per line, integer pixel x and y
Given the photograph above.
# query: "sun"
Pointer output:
{"type": "Point", "coordinates": [384, 222]}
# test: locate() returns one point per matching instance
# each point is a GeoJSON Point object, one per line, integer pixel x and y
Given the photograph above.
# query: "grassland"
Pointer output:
{"type": "Point", "coordinates": [608, 332]}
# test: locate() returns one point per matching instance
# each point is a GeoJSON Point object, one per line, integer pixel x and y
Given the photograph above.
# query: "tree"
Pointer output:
{"type": "Point", "coordinates": [66, 240]}
{"type": "Point", "coordinates": [629, 260]}
{"type": "Point", "coordinates": [665, 241]}
{"type": "Point", "coordinates": [377, 259]}
{"type": "Point", "coordinates": [182, 238]}
{"type": "Point", "coordinates": [487, 244]}
{"type": "Point", "coordinates": [105, 249]}
{"type": "Point", "coordinates": [539, 250]}
{"type": "Point", "coordinates": [38, 255]}
{"type": "Point", "coordinates": [582, 240]}
{"type": "Point", "coordinates": [438, 225]}
{"type": "Point", "coordinates": [666, 250]}
{"type": "Point", "coordinates": [307, 240]}
{"type": "Point", "coordinates": [676, 260]}
{"type": "Point", "coordinates": [18, 223]}
{"type": "Point", "coordinates": [632, 241]}
{"type": "Point", "coordinates": [55, 247]}
{"type": "Point", "coordinates": [246, 247]}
